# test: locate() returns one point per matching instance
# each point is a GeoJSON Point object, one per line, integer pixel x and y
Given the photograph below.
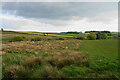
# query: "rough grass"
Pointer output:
{"type": "Point", "coordinates": [50, 72]}
{"type": "Point", "coordinates": [57, 53]}
{"type": "Point", "coordinates": [8, 37]}
{"type": "Point", "coordinates": [67, 58]}
{"type": "Point", "coordinates": [59, 58]}
{"type": "Point", "coordinates": [32, 46]}
{"type": "Point", "coordinates": [31, 63]}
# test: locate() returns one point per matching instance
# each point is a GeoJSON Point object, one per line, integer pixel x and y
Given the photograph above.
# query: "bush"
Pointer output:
{"type": "Point", "coordinates": [18, 38]}
{"type": "Point", "coordinates": [91, 36]}
{"type": "Point", "coordinates": [36, 39]}
{"type": "Point", "coordinates": [104, 36]}
{"type": "Point", "coordinates": [110, 37]}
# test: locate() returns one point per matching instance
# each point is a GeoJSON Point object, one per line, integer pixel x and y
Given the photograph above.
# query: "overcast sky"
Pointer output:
{"type": "Point", "coordinates": [59, 16]}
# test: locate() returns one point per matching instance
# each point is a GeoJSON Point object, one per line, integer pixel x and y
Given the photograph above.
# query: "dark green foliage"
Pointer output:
{"type": "Point", "coordinates": [92, 31]}
{"type": "Point", "coordinates": [97, 31]}
{"type": "Point", "coordinates": [105, 31]}
{"type": "Point", "coordinates": [102, 36]}
{"type": "Point", "coordinates": [72, 32]}
{"type": "Point", "coordinates": [98, 36]}
{"type": "Point", "coordinates": [1, 29]}
{"type": "Point", "coordinates": [36, 39]}
{"type": "Point", "coordinates": [17, 38]}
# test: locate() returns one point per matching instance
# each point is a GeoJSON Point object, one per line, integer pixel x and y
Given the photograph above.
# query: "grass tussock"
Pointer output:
{"type": "Point", "coordinates": [13, 71]}
{"type": "Point", "coordinates": [67, 58]}
{"type": "Point", "coordinates": [31, 63]}
{"type": "Point", "coordinates": [2, 53]}
{"type": "Point", "coordinates": [51, 72]}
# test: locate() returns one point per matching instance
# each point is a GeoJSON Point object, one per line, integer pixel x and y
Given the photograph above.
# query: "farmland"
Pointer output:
{"type": "Point", "coordinates": [57, 55]}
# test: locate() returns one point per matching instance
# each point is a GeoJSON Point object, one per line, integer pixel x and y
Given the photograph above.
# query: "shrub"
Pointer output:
{"type": "Point", "coordinates": [36, 39]}
{"type": "Point", "coordinates": [104, 36]}
{"type": "Point", "coordinates": [91, 36]}
{"type": "Point", "coordinates": [18, 38]}
{"type": "Point", "coordinates": [110, 37]}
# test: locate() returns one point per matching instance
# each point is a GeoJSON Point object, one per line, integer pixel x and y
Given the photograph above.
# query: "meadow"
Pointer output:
{"type": "Point", "coordinates": [57, 55]}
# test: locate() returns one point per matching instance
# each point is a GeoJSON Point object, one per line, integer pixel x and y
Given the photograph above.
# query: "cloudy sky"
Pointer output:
{"type": "Point", "coordinates": [59, 16]}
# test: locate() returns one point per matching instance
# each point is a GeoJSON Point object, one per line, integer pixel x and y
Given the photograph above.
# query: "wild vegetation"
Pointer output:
{"type": "Point", "coordinates": [59, 55]}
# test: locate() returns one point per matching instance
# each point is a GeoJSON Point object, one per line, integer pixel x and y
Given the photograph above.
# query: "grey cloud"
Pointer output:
{"type": "Point", "coordinates": [57, 10]}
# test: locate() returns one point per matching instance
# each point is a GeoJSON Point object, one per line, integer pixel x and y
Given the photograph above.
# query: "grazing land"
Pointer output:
{"type": "Point", "coordinates": [57, 55]}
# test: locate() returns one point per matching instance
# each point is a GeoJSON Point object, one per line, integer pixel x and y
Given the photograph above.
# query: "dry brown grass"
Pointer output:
{"type": "Point", "coordinates": [58, 52]}
{"type": "Point", "coordinates": [67, 58]}
{"type": "Point", "coordinates": [31, 63]}
{"type": "Point", "coordinates": [32, 46]}
{"type": "Point", "coordinates": [2, 53]}
{"type": "Point", "coordinates": [11, 71]}
{"type": "Point", "coordinates": [52, 72]}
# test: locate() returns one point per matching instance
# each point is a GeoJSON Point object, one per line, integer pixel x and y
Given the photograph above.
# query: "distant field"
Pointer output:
{"type": "Point", "coordinates": [49, 34]}
{"type": "Point", "coordinates": [58, 58]}
{"type": "Point", "coordinates": [66, 35]}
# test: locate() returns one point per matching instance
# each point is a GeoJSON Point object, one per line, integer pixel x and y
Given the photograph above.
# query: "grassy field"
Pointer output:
{"type": "Point", "coordinates": [58, 58]}
{"type": "Point", "coordinates": [103, 55]}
